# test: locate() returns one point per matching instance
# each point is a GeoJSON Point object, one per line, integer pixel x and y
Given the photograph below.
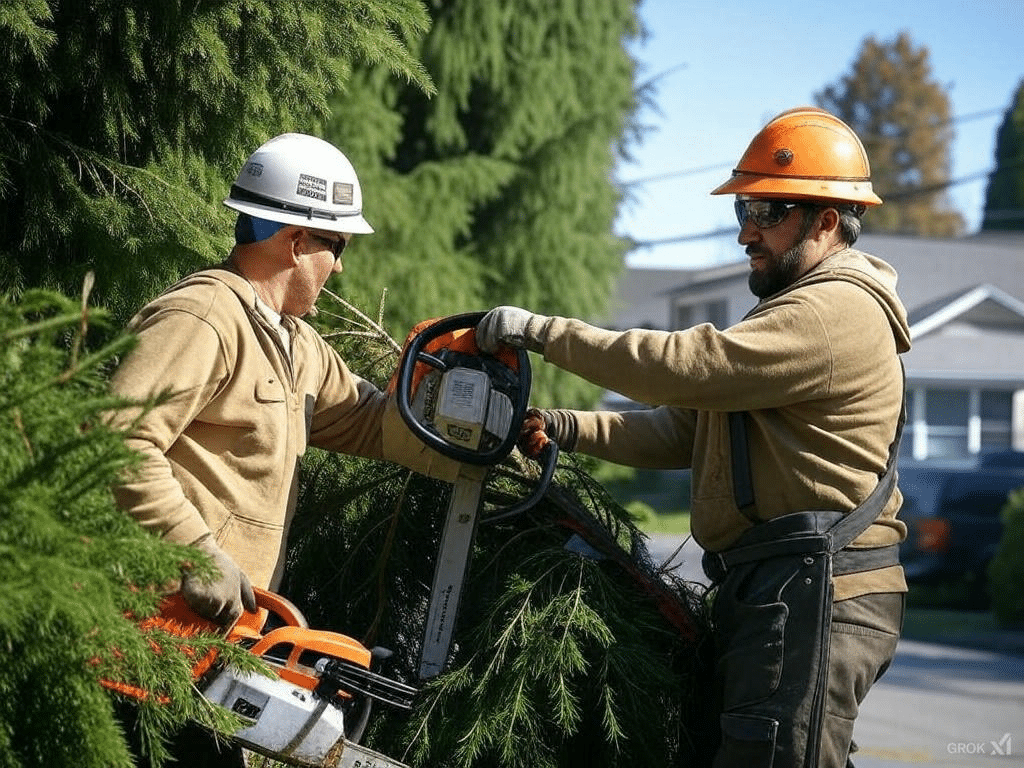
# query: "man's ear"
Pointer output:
{"type": "Point", "coordinates": [828, 223]}
{"type": "Point", "coordinates": [295, 235]}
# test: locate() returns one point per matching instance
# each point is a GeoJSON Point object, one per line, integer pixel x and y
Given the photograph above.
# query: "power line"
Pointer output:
{"type": "Point", "coordinates": [637, 244]}
{"type": "Point", "coordinates": [891, 197]}
{"type": "Point", "coordinates": [675, 174]}
{"type": "Point", "coordinates": [719, 166]}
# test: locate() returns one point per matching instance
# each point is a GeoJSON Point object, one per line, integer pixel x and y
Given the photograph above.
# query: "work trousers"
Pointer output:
{"type": "Point", "coordinates": [788, 695]}
{"type": "Point", "coordinates": [864, 634]}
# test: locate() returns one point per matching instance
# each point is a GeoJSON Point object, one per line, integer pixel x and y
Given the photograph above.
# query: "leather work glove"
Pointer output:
{"type": "Point", "coordinates": [221, 596]}
{"type": "Point", "coordinates": [541, 426]}
{"type": "Point", "coordinates": [510, 325]}
{"type": "Point", "coordinates": [533, 434]}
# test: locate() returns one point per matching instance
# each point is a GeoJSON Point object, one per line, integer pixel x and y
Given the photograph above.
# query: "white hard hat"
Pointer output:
{"type": "Point", "coordinates": [301, 180]}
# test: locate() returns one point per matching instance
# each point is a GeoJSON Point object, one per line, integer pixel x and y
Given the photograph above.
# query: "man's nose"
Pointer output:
{"type": "Point", "coordinates": [749, 233]}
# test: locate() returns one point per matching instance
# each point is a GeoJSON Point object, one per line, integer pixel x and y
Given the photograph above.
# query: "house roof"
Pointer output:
{"type": "Point", "coordinates": [928, 269]}
{"type": "Point", "coordinates": [964, 299]}
{"type": "Point", "coordinates": [931, 268]}
{"type": "Point", "coordinates": [981, 305]}
{"type": "Point", "coordinates": [968, 356]}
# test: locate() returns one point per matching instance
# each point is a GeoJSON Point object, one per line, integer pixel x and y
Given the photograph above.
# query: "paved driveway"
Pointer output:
{"type": "Point", "coordinates": [943, 705]}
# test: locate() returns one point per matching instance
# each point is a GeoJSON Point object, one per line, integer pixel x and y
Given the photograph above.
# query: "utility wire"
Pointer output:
{"type": "Point", "coordinates": [891, 197]}
{"type": "Point", "coordinates": [719, 166]}
{"type": "Point", "coordinates": [722, 232]}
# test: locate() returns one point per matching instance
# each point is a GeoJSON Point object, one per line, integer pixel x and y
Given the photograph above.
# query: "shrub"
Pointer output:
{"type": "Point", "coordinates": [72, 566]}
{"type": "Point", "coordinates": [1006, 571]}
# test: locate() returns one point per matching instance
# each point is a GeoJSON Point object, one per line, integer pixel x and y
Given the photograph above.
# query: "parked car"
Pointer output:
{"type": "Point", "coordinates": [954, 520]}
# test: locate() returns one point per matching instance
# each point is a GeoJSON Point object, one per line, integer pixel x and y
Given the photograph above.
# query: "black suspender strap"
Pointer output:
{"type": "Point", "coordinates": [857, 521]}
{"type": "Point", "coordinates": [852, 524]}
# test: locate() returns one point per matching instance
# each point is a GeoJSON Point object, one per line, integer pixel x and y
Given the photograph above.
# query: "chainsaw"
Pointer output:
{"type": "Point", "coordinates": [313, 709]}
{"type": "Point", "coordinates": [467, 405]}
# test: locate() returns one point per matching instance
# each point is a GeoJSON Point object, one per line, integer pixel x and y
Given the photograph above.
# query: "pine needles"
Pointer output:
{"type": "Point", "coordinates": [571, 648]}
{"type": "Point", "coordinates": [74, 569]}
{"type": "Point", "coordinates": [560, 659]}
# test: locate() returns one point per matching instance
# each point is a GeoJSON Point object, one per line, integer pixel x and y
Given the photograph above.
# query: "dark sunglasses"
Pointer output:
{"type": "Point", "coordinates": [764, 213]}
{"type": "Point", "coordinates": [334, 246]}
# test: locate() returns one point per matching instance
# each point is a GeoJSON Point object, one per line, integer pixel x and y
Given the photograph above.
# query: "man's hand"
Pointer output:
{"type": "Point", "coordinates": [533, 436]}
{"type": "Point", "coordinates": [510, 325]}
{"type": "Point", "coordinates": [541, 426]}
{"type": "Point", "coordinates": [222, 597]}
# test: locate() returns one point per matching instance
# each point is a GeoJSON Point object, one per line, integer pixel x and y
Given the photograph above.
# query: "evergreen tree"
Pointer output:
{"type": "Point", "coordinates": [903, 118]}
{"type": "Point", "coordinates": [1004, 198]}
{"type": "Point", "coordinates": [498, 189]}
{"type": "Point", "coordinates": [122, 124]}
{"type": "Point", "coordinates": [563, 654]}
{"type": "Point", "coordinates": [73, 568]}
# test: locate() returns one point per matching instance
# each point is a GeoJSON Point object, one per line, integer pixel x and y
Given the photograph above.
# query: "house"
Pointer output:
{"type": "Point", "coordinates": [965, 303]}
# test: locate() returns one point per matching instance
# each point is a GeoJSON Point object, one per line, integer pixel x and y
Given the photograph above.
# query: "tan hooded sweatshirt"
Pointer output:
{"type": "Point", "coordinates": [221, 454]}
{"type": "Point", "coordinates": [815, 365]}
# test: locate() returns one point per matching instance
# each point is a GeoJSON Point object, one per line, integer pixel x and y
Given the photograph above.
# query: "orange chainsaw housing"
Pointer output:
{"type": "Point", "coordinates": [460, 340]}
{"type": "Point", "coordinates": [276, 632]}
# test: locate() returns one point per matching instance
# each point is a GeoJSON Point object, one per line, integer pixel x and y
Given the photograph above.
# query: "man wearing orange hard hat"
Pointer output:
{"type": "Point", "coordinates": [790, 421]}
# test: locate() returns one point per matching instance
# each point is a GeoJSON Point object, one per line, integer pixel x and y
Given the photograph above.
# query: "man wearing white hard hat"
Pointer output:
{"type": "Point", "coordinates": [251, 384]}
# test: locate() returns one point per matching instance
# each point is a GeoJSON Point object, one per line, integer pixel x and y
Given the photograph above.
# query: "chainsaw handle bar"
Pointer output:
{"type": "Point", "coordinates": [415, 353]}
{"type": "Point", "coordinates": [548, 459]}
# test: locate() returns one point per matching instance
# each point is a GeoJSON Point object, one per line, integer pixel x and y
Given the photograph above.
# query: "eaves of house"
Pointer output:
{"type": "Point", "coordinates": [940, 280]}
{"type": "Point", "coordinates": [965, 306]}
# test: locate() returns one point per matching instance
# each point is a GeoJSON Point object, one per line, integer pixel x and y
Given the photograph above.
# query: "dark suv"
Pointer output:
{"type": "Point", "coordinates": [954, 520]}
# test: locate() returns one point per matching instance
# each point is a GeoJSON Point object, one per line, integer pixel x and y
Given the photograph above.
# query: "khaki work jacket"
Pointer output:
{"type": "Point", "coordinates": [816, 367]}
{"type": "Point", "coordinates": [221, 450]}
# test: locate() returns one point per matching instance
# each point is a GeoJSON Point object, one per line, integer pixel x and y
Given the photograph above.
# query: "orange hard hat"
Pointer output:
{"type": "Point", "coordinates": [804, 153]}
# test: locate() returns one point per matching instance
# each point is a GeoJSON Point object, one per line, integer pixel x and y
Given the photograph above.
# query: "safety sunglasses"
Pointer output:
{"type": "Point", "coordinates": [334, 246]}
{"type": "Point", "coordinates": [764, 213]}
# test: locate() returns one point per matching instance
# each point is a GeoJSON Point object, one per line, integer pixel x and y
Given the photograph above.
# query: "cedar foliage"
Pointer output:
{"type": "Point", "coordinates": [122, 124]}
{"type": "Point", "coordinates": [496, 190]}
{"type": "Point", "coordinates": [560, 659]}
{"type": "Point", "coordinates": [121, 127]}
{"type": "Point", "coordinates": [902, 116]}
{"type": "Point", "coordinates": [73, 567]}
{"type": "Point", "coordinates": [1004, 196]}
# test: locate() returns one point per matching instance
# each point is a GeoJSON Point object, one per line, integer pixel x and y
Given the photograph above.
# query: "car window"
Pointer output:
{"type": "Point", "coordinates": [921, 489]}
{"type": "Point", "coordinates": [980, 493]}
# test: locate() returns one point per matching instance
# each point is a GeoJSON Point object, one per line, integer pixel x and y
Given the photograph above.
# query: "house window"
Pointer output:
{"type": "Point", "coordinates": [946, 413]}
{"type": "Point", "coordinates": [682, 317]}
{"type": "Point", "coordinates": [995, 421]}
{"type": "Point", "coordinates": [957, 423]}
{"type": "Point", "coordinates": [718, 314]}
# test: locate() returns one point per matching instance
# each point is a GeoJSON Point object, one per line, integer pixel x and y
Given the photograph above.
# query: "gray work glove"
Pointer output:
{"type": "Point", "coordinates": [221, 596]}
{"type": "Point", "coordinates": [512, 326]}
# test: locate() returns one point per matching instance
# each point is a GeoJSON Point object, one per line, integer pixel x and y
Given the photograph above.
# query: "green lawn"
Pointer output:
{"type": "Point", "coordinates": [668, 523]}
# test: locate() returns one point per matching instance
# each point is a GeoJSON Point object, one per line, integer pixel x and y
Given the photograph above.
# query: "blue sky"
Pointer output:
{"type": "Point", "coordinates": [733, 64]}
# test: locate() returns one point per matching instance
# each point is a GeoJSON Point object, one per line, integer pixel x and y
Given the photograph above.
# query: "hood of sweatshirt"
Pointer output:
{"type": "Point", "coordinates": [870, 273]}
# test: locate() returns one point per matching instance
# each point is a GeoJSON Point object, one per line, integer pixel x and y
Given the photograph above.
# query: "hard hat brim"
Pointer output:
{"type": "Point", "coordinates": [799, 189]}
{"type": "Point", "coordinates": [350, 223]}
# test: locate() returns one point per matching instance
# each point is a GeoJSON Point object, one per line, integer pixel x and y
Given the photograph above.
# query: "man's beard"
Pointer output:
{"type": "Point", "coordinates": [779, 271]}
